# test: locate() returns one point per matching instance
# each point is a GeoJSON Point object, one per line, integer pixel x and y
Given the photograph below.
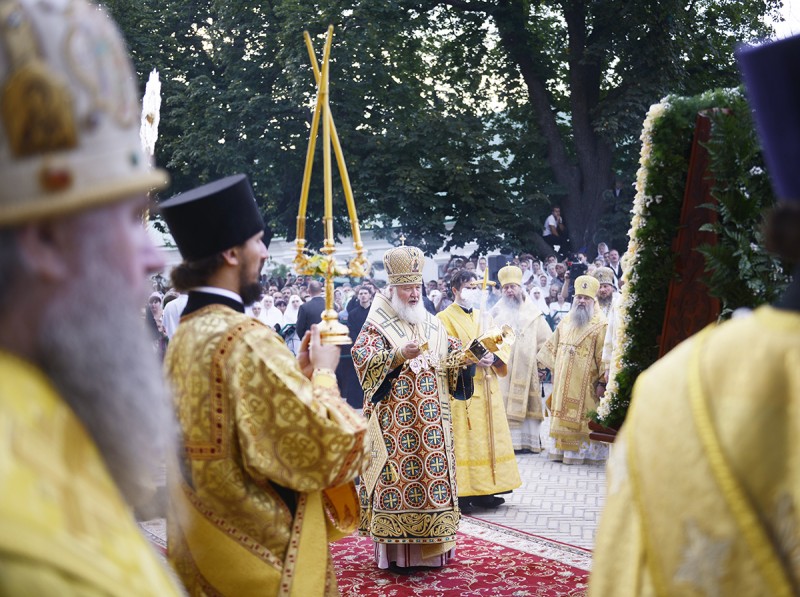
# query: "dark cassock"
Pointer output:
{"type": "Point", "coordinates": [346, 375]}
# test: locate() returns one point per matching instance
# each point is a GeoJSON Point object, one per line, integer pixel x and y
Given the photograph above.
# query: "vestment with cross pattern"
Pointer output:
{"type": "Point", "coordinates": [414, 500]}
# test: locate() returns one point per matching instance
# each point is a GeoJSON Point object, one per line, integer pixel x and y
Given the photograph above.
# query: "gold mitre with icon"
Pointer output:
{"type": "Point", "coordinates": [69, 116]}
{"type": "Point", "coordinates": [604, 275]}
{"type": "Point", "coordinates": [404, 265]}
{"type": "Point", "coordinates": [587, 286]}
{"type": "Point", "coordinates": [510, 274]}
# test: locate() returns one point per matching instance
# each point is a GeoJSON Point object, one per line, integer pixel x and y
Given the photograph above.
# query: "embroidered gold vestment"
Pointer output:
{"type": "Point", "coordinates": [704, 478]}
{"type": "Point", "coordinates": [256, 433]}
{"type": "Point", "coordinates": [521, 388]}
{"type": "Point", "coordinates": [415, 499]}
{"type": "Point", "coordinates": [486, 436]}
{"type": "Point", "coordinates": [64, 527]}
{"type": "Point", "coordinates": [575, 357]}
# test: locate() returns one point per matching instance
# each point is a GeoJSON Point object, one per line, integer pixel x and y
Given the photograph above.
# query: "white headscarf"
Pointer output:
{"type": "Point", "coordinates": [539, 302]}
{"type": "Point", "coordinates": [290, 315]}
{"type": "Point", "coordinates": [436, 297]}
{"type": "Point", "coordinates": [271, 315]}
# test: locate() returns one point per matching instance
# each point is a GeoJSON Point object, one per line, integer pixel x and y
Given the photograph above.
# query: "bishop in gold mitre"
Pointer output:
{"type": "Point", "coordinates": [410, 370]}
{"type": "Point", "coordinates": [574, 355]}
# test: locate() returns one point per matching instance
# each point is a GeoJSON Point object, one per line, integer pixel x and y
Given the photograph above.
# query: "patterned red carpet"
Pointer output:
{"type": "Point", "coordinates": [490, 560]}
{"type": "Point", "coordinates": [481, 567]}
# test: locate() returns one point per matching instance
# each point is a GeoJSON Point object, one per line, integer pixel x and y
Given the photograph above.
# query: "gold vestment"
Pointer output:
{"type": "Point", "coordinates": [521, 388]}
{"type": "Point", "coordinates": [253, 426]}
{"type": "Point", "coordinates": [486, 436]}
{"type": "Point", "coordinates": [64, 527]}
{"type": "Point", "coordinates": [704, 478]}
{"type": "Point", "coordinates": [575, 358]}
{"type": "Point", "coordinates": [415, 499]}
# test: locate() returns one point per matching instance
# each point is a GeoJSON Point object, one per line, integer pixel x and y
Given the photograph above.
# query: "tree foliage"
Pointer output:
{"type": "Point", "coordinates": [459, 119]}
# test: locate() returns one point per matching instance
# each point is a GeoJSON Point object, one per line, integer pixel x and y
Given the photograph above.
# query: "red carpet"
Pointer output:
{"type": "Point", "coordinates": [480, 567]}
{"type": "Point", "coordinates": [490, 560]}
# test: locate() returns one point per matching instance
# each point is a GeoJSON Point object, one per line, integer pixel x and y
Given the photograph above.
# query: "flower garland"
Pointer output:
{"type": "Point", "coordinates": [641, 203]}
{"type": "Point", "coordinates": [737, 262]}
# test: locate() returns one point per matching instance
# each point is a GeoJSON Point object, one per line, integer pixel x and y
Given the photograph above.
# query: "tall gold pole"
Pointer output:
{"type": "Point", "coordinates": [331, 331]}
{"type": "Point", "coordinates": [487, 381]}
{"type": "Point", "coordinates": [359, 260]}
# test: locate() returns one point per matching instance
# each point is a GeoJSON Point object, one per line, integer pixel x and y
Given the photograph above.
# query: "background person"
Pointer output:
{"type": "Point", "coordinates": [521, 388]}
{"type": "Point", "coordinates": [574, 356]}
{"type": "Point", "coordinates": [485, 460]}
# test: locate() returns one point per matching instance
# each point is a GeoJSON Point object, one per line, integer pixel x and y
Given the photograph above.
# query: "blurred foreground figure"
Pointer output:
{"type": "Point", "coordinates": [84, 417]}
{"type": "Point", "coordinates": [269, 451]}
{"type": "Point", "coordinates": [703, 479]}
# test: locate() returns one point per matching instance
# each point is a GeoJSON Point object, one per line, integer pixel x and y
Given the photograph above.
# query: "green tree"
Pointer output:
{"type": "Point", "coordinates": [459, 119]}
{"type": "Point", "coordinates": [588, 70]}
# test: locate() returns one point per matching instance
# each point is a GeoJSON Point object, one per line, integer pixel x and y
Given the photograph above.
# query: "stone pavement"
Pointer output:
{"type": "Point", "coordinates": [557, 501]}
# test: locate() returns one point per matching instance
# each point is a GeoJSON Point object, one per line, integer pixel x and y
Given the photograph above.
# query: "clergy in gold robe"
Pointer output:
{"type": "Point", "coordinates": [409, 367]}
{"type": "Point", "coordinates": [84, 420]}
{"type": "Point", "coordinates": [702, 480]}
{"type": "Point", "coordinates": [263, 481]}
{"type": "Point", "coordinates": [704, 477]}
{"type": "Point", "coordinates": [574, 355]}
{"type": "Point", "coordinates": [485, 461]}
{"type": "Point", "coordinates": [66, 530]}
{"type": "Point", "coordinates": [522, 387]}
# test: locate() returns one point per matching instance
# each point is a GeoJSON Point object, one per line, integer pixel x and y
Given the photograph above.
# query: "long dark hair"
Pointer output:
{"type": "Point", "coordinates": [782, 231]}
{"type": "Point", "coordinates": [191, 274]}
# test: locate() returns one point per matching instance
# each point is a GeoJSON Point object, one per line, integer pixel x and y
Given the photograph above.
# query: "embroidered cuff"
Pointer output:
{"type": "Point", "coordinates": [324, 378]}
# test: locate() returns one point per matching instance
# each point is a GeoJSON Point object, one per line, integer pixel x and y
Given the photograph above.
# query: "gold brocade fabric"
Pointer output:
{"type": "Point", "coordinates": [415, 498]}
{"type": "Point", "coordinates": [575, 357]}
{"type": "Point", "coordinates": [486, 436]}
{"type": "Point", "coordinates": [704, 478]}
{"type": "Point", "coordinates": [250, 419]}
{"type": "Point", "coordinates": [64, 528]}
{"type": "Point", "coordinates": [521, 388]}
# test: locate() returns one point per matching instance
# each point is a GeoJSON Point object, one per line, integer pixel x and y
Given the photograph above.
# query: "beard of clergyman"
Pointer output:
{"type": "Point", "coordinates": [411, 314]}
{"type": "Point", "coordinates": [581, 314]}
{"type": "Point", "coordinates": [507, 310]}
{"type": "Point", "coordinates": [94, 347]}
{"type": "Point", "coordinates": [249, 290]}
{"type": "Point", "coordinates": [604, 302]}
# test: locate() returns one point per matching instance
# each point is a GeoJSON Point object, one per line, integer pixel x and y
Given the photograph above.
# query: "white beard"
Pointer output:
{"type": "Point", "coordinates": [413, 315]}
{"type": "Point", "coordinates": [506, 311]}
{"type": "Point", "coordinates": [94, 347]}
{"type": "Point", "coordinates": [580, 315]}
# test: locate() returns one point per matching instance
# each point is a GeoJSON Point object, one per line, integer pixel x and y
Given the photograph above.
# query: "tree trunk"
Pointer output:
{"type": "Point", "coordinates": [588, 175]}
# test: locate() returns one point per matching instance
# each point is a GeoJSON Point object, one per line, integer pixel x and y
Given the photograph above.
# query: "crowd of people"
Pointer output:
{"type": "Point", "coordinates": [277, 444]}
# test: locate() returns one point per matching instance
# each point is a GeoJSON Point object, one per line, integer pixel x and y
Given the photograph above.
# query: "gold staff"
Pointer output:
{"type": "Point", "coordinates": [487, 377]}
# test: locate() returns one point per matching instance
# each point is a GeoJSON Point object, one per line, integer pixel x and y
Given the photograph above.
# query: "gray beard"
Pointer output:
{"type": "Point", "coordinates": [605, 303]}
{"type": "Point", "coordinates": [414, 315]}
{"type": "Point", "coordinates": [507, 311]}
{"type": "Point", "coordinates": [580, 315]}
{"type": "Point", "coordinates": [95, 349]}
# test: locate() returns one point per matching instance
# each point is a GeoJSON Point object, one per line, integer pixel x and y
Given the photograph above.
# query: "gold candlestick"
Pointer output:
{"type": "Point", "coordinates": [331, 331]}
